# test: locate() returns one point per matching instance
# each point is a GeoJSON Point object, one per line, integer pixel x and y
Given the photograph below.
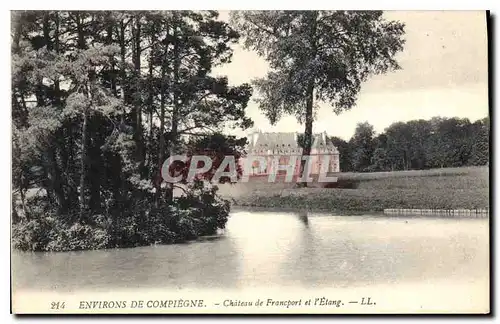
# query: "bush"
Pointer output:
{"type": "Point", "coordinates": [34, 235]}
{"type": "Point", "coordinates": [50, 234]}
{"type": "Point", "coordinates": [141, 221]}
{"type": "Point", "coordinates": [342, 184]}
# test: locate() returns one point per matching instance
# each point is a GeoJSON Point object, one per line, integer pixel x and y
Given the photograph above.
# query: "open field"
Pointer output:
{"type": "Point", "coordinates": [449, 188]}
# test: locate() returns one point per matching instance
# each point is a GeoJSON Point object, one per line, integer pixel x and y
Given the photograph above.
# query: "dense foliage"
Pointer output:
{"type": "Point", "coordinates": [416, 145]}
{"type": "Point", "coordinates": [99, 101]}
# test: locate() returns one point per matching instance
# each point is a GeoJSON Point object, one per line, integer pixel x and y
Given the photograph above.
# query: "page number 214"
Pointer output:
{"type": "Point", "coordinates": [57, 305]}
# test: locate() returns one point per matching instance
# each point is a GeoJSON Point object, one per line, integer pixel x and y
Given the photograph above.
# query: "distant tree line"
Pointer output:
{"type": "Point", "coordinates": [416, 145]}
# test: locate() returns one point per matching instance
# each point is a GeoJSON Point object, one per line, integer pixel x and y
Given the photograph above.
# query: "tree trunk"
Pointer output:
{"type": "Point", "coordinates": [79, 29]}
{"type": "Point", "coordinates": [161, 150]}
{"type": "Point", "coordinates": [23, 204]}
{"type": "Point", "coordinates": [56, 182]}
{"type": "Point", "coordinates": [46, 30]}
{"type": "Point", "coordinates": [137, 98]}
{"type": "Point", "coordinates": [39, 91]}
{"type": "Point", "coordinates": [175, 110]}
{"type": "Point", "coordinates": [306, 150]}
{"type": "Point", "coordinates": [308, 134]}
{"type": "Point", "coordinates": [151, 107]}
{"type": "Point", "coordinates": [83, 166]}
{"type": "Point", "coordinates": [96, 163]}
{"type": "Point", "coordinates": [123, 74]}
{"type": "Point", "coordinates": [57, 87]}
{"type": "Point", "coordinates": [18, 25]}
{"type": "Point", "coordinates": [109, 41]}
{"type": "Point", "coordinates": [85, 135]}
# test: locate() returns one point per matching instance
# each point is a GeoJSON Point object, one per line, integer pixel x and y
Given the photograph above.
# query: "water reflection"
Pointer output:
{"type": "Point", "coordinates": [303, 217]}
{"type": "Point", "coordinates": [201, 264]}
{"type": "Point", "coordinates": [273, 249]}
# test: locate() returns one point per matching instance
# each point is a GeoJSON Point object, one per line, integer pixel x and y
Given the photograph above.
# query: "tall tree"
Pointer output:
{"type": "Point", "coordinates": [398, 146]}
{"type": "Point", "coordinates": [344, 153]}
{"type": "Point", "coordinates": [186, 47]}
{"type": "Point", "coordinates": [380, 160]}
{"type": "Point", "coordinates": [480, 150]}
{"type": "Point", "coordinates": [362, 146]}
{"type": "Point", "coordinates": [317, 56]}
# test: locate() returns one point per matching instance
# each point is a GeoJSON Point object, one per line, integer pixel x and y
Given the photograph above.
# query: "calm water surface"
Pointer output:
{"type": "Point", "coordinates": [276, 249]}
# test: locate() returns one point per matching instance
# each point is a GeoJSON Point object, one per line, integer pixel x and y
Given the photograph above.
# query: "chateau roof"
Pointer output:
{"type": "Point", "coordinates": [273, 140]}
{"type": "Point", "coordinates": [287, 141]}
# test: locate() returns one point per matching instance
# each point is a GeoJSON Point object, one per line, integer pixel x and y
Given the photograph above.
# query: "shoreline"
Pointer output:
{"type": "Point", "coordinates": [410, 213]}
{"type": "Point", "coordinates": [319, 210]}
{"type": "Point", "coordinates": [442, 191]}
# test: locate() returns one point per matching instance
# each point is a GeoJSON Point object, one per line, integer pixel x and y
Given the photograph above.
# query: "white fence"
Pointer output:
{"type": "Point", "coordinates": [457, 213]}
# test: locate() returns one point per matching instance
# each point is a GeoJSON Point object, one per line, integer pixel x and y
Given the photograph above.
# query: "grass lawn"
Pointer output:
{"type": "Point", "coordinates": [448, 188]}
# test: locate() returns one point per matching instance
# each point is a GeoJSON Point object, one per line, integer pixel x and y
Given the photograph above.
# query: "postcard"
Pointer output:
{"type": "Point", "coordinates": [250, 162]}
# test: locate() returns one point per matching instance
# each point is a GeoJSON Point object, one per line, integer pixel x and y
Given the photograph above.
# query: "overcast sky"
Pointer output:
{"type": "Point", "coordinates": [444, 73]}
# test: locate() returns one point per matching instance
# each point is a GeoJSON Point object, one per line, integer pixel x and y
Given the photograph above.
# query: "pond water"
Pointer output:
{"type": "Point", "coordinates": [276, 249]}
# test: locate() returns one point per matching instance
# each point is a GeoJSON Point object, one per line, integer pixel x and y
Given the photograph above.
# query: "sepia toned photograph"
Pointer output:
{"type": "Point", "coordinates": [250, 162]}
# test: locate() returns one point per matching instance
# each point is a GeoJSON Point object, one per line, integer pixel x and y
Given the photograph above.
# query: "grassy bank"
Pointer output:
{"type": "Point", "coordinates": [450, 188]}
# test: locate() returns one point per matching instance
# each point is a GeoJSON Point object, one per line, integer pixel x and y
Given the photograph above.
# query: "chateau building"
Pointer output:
{"type": "Point", "coordinates": [280, 147]}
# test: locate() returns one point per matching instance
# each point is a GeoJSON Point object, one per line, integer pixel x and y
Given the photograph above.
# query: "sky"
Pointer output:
{"type": "Point", "coordinates": [444, 73]}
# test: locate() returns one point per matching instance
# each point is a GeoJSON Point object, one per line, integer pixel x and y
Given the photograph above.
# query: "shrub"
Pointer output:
{"type": "Point", "coordinates": [51, 234]}
{"type": "Point", "coordinates": [342, 184]}
{"type": "Point", "coordinates": [208, 211]}
{"type": "Point", "coordinates": [140, 221]}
